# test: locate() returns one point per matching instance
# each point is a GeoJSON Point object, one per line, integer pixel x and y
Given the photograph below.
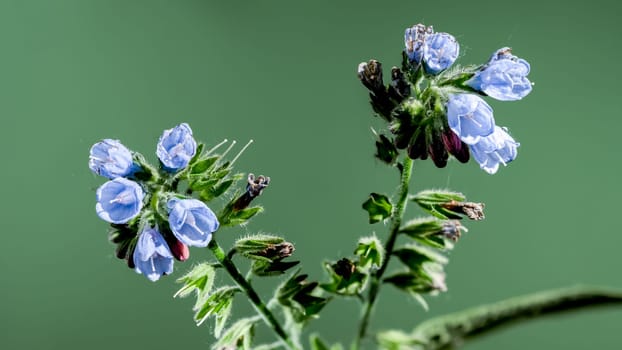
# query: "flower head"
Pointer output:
{"type": "Point", "coordinates": [497, 148]}
{"type": "Point", "coordinates": [109, 158]}
{"type": "Point", "coordinates": [152, 257]}
{"type": "Point", "coordinates": [469, 117]}
{"type": "Point", "coordinates": [119, 200]}
{"type": "Point", "coordinates": [504, 77]}
{"type": "Point", "coordinates": [191, 221]}
{"type": "Point", "coordinates": [440, 51]}
{"type": "Point", "coordinates": [176, 147]}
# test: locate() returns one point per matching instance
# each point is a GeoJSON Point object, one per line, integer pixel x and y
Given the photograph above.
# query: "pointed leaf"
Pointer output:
{"type": "Point", "coordinates": [378, 207]}
{"type": "Point", "coordinates": [370, 252]}
{"type": "Point", "coordinates": [239, 335]}
{"type": "Point", "coordinates": [200, 279]}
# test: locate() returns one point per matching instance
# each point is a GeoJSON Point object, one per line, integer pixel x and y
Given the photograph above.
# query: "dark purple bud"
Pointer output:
{"type": "Point", "coordinates": [455, 146]}
{"type": "Point", "coordinates": [437, 151]}
{"type": "Point", "coordinates": [417, 149]}
{"type": "Point", "coordinates": [179, 250]}
{"type": "Point", "coordinates": [399, 88]}
{"type": "Point", "coordinates": [253, 189]}
{"type": "Point", "coordinates": [277, 251]}
{"type": "Point", "coordinates": [370, 74]}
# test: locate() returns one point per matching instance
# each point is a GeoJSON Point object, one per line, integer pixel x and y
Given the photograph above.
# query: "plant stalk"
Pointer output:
{"type": "Point", "coordinates": [259, 305]}
{"type": "Point", "coordinates": [396, 222]}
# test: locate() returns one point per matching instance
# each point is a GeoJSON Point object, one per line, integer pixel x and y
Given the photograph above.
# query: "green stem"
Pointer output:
{"type": "Point", "coordinates": [259, 305]}
{"type": "Point", "coordinates": [396, 222]}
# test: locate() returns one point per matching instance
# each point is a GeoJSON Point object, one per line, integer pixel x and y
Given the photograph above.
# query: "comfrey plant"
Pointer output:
{"type": "Point", "coordinates": [433, 109]}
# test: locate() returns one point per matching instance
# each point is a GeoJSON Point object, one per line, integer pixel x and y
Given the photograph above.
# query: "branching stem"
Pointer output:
{"type": "Point", "coordinates": [254, 298]}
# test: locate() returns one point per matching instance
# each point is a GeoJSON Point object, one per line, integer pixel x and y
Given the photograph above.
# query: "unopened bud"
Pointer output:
{"type": "Point", "coordinates": [370, 74]}
{"type": "Point", "coordinates": [179, 250]}
{"type": "Point", "coordinates": [344, 268]}
{"type": "Point", "coordinates": [277, 251]}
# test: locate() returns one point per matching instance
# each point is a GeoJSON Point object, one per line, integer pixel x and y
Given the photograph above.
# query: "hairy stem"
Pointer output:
{"type": "Point", "coordinates": [396, 222]}
{"type": "Point", "coordinates": [450, 330]}
{"type": "Point", "coordinates": [254, 298]}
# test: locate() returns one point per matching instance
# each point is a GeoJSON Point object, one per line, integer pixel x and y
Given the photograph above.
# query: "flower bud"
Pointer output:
{"type": "Point", "coordinates": [474, 211]}
{"type": "Point", "coordinates": [176, 147]}
{"type": "Point", "coordinates": [109, 158]}
{"type": "Point", "coordinates": [344, 268]}
{"type": "Point", "coordinates": [191, 221]}
{"type": "Point", "coordinates": [455, 146]}
{"type": "Point", "coordinates": [119, 200]}
{"type": "Point", "coordinates": [451, 229]}
{"type": "Point", "coordinates": [414, 39]}
{"type": "Point", "coordinates": [370, 74]}
{"type": "Point", "coordinates": [179, 250]}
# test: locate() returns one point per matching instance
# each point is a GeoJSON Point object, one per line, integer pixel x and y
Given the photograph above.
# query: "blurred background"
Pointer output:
{"type": "Point", "coordinates": [283, 73]}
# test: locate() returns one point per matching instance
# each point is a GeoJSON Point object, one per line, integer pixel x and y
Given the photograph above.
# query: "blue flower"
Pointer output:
{"type": "Point", "coordinates": [191, 221]}
{"type": "Point", "coordinates": [497, 148]}
{"type": "Point", "coordinates": [119, 200]}
{"type": "Point", "coordinates": [152, 257]}
{"type": "Point", "coordinates": [176, 147]}
{"type": "Point", "coordinates": [109, 158]}
{"type": "Point", "coordinates": [469, 117]}
{"type": "Point", "coordinates": [504, 77]}
{"type": "Point", "coordinates": [440, 51]}
{"type": "Point", "coordinates": [414, 39]}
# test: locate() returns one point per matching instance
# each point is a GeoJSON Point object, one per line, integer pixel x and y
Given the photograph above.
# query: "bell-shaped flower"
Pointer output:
{"type": "Point", "coordinates": [191, 221]}
{"type": "Point", "coordinates": [504, 77]}
{"type": "Point", "coordinates": [109, 158]}
{"type": "Point", "coordinates": [414, 39]}
{"type": "Point", "coordinates": [440, 51]}
{"type": "Point", "coordinates": [176, 147]}
{"type": "Point", "coordinates": [470, 117]}
{"type": "Point", "coordinates": [497, 148]}
{"type": "Point", "coordinates": [152, 257]}
{"type": "Point", "coordinates": [119, 200]}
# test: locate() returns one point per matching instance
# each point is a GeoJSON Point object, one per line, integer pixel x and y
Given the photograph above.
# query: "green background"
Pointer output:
{"type": "Point", "coordinates": [284, 74]}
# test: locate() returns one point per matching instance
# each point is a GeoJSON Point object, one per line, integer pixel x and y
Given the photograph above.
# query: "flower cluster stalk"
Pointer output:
{"type": "Point", "coordinates": [376, 278]}
{"type": "Point", "coordinates": [260, 306]}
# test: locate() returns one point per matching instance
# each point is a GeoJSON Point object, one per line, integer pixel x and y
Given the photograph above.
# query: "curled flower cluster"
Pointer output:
{"type": "Point", "coordinates": [433, 107]}
{"type": "Point", "coordinates": [151, 222]}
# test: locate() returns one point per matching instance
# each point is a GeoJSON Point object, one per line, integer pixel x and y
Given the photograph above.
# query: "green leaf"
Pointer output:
{"type": "Point", "coordinates": [415, 255]}
{"type": "Point", "coordinates": [233, 218]}
{"type": "Point", "coordinates": [346, 279]}
{"type": "Point", "coordinates": [272, 268]}
{"type": "Point", "coordinates": [239, 335]}
{"type": "Point", "coordinates": [455, 328]}
{"type": "Point", "coordinates": [378, 207]}
{"type": "Point", "coordinates": [200, 279]}
{"type": "Point", "coordinates": [431, 197]}
{"type": "Point", "coordinates": [216, 190]}
{"type": "Point", "coordinates": [398, 340]}
{"type": "Point", "coordinates": [298, 295]}
{"type": "Point", "coordinates": [431, 231]}
{"type": "Point", "coordinates": [370, 252]}
{"type": "Point", "coordinates": [318, 344]}
{"type": "Point", "coordinates": [385, 150]}
{"type": "Point", "coordinates": [256, 246]}
{"type": "Point", "coordinates": [216, 303]}
{"type": "Point", "coordinates": [429, 277]}
{"type": "Point", "coordinates": [448, 205]}
{"type": "Point", "coordinates": [203, 165]}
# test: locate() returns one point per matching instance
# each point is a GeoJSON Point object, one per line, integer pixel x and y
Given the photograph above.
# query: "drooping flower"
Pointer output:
{"type": "Point", "coordinates": [497, 148]}
{"type": "Point", "coordinates": [119, 200]}
{"type": "Point", "coordinates": [176, 147]}
{"type": "Point", "coordinates": [111, 159]}
{"type": "Point", "coordinates": [470, 117]}
{"type": "Point", "coordinates": [440, 51]}
{"type": "Point", "coordinates": [191, 221]}
{"type": "Point", "coordinates": [152, 256]}
{"type": "Point", "coordinates": [504, 77]}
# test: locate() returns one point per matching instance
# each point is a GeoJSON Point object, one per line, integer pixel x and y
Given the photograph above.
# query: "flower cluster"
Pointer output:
{"type": "Point", "coordinates": [433, 107]}
{"type": "Point", "coordinates": [151, 222]}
